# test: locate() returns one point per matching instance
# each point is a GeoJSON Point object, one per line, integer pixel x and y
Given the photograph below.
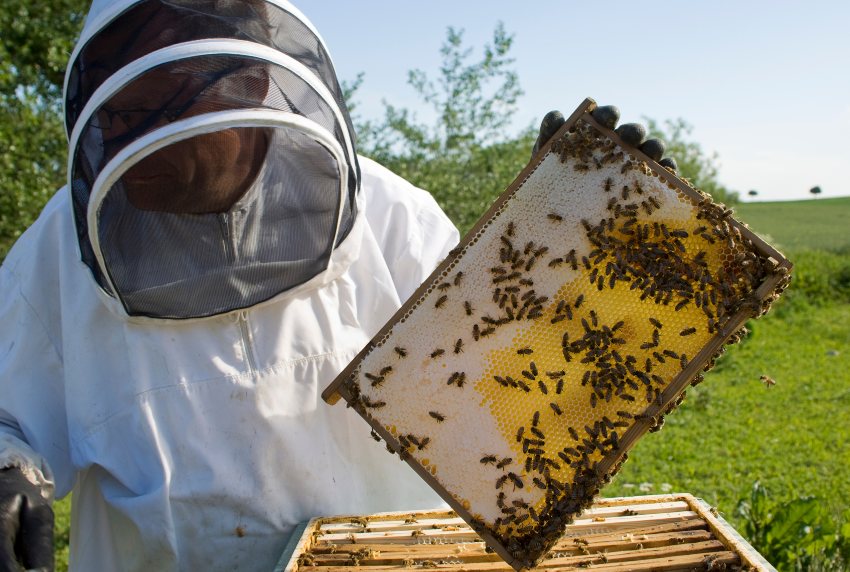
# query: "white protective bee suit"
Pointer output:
{"type": "Point", "coordinates": [165, 363]}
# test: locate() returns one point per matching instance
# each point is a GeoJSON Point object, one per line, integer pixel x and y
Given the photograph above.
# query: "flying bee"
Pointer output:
{"type": "Point", "coordinates": [437, 353]}
{"type": "Point", "coordinates": [459, 346]}
{"type": "Point", "coordinates": [444, 286]}
{"type": "Point", "coordinates": [504, 463]}
{"type": "Point", "coordinates": [438, 416]}
{"type": "Point", "coordinates": [556, 409]}
{"type": "Point", "coordinates": [402, 353]}
{"type": "Point", "coordinates": [376, 380]}
{"type": "Point", "coordinates": [441, 301]}
{"type": "Point", "coordinates": [768, 381]}
{"type": "Point", "coordinates": [511, 228]}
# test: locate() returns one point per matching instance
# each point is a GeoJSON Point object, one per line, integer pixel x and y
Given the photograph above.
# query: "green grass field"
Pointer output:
{"type": "Point", "coordinates": [732, 430]}
{"type": "Point", "coordinates": [818, 224]}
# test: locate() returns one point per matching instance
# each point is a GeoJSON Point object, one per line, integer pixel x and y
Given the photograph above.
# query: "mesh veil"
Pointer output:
{"type": "Point", "coordinates": [222, 219]}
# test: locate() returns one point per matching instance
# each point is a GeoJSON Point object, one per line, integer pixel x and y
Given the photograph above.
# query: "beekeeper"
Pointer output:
{"type": "Point", "coordinates": [168, 323]}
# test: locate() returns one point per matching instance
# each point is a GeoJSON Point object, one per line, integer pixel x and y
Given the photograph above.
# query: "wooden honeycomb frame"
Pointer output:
{"type": "Point", "coordinates": [609, 463]}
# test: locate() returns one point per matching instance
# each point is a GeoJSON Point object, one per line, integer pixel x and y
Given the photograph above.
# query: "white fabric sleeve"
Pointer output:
{"type": "Point", "coordinates": [32, 404]}
{"type": "Point", "coordinates": [412, 231]}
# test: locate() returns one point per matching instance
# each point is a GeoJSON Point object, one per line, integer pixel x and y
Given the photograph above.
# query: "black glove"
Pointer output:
{"type": "Point", "coordinates": [26, 525]}
{"type": "Point", "coordinates": [633, 134]}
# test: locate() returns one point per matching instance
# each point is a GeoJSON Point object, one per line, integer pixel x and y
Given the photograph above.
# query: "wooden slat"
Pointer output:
{"type": "Point", "coordinates": [666, 558]}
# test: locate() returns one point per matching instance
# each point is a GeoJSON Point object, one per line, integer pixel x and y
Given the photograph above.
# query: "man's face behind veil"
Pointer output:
{"type": "Point", "coordinates": [207, 173]}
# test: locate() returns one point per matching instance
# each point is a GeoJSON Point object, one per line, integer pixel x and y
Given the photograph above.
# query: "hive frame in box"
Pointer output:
{"type": "Point", "coordinates": [304, 537]}
{"type": "Point", "coordinates": [337, 389]}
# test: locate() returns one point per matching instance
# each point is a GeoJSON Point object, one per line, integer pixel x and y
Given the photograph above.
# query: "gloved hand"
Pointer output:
{"type": "Point", "coordinates": [26, 525]}
{"type": "Point", "coordinates": [633, 134]}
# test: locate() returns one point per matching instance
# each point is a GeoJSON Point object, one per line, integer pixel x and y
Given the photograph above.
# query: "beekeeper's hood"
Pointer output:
{"type": "Point", "coordinates": [212, 163]}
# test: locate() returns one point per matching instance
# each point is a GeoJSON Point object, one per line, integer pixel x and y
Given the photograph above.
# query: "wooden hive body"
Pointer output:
{"type": "Point", "coordinates": [662, 532]}
{"type": "Point", "coordinates": [559, 331]}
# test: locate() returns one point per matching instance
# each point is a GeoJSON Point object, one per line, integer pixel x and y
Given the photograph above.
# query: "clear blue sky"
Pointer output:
{"type": "Point", "coordinates": [765, 84]}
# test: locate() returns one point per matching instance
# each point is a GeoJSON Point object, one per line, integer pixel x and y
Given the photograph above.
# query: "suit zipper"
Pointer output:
{"type": "Point", "coordinates": [247, 346]}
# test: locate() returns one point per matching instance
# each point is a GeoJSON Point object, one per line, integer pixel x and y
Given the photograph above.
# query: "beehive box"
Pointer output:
{"type": "Point", "coordinates": [654, 533]}
{"type": "Point", "coordinates": [563, 327]}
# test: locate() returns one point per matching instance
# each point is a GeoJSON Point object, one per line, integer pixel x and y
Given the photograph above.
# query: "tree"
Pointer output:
{"type": "Point", "coordinates": [466, 159]}
{"type": "Point", "coordinates": [38, 36]}
{"type": "Point", "coordinates": [694, 165]}
{"type": "Point", "coordinates": [815, 191]}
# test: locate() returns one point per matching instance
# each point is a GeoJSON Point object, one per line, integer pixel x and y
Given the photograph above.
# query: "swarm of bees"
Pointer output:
{"type": "Point", "coordinates": [621, 380]}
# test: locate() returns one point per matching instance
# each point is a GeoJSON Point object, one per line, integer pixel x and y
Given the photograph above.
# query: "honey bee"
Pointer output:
{"type": "Point", "coordinates": [504, 463]}
{"type": "Point", "coordinates": [618, 325]}
{"type": "Point", "coordinates": [476, 333]}
{"type": "Point", "coordinates": [444, 286]}
{"type": "Point", "coordinates": [608, 183]}
{"type": "Point", "coordinates": [488, 331]}
{"type": "Point", "coordinates": [579, 300]}
{"type": "Point", "coordinates": [375, 379]}
{"type": "Point", "coordinates": [541, 251]}
{"type": "Point", "coordinates": [402, 353]}
{"type": "Point", "coordinates": [375, 436]}
{"type": "Point", "coordinates": [525, 351]}
{"type": "Point", "coordinates": [655, 323]}
{"type": "Point", "coordinates": [535, 419]}
{"type": "Point", "coordinates": [530, 263]}
{"type": "Point", "coordinates": [516, 481]}
{"type": "Point", "coordinates": [671, 354]}
{"type": "Point", "coordinates": [581, 167]}
{"type": "Point", "coordinates": [507, 242]}
{"type": "Point", "coordinates": [768, 381]}
{"type": "Point", "coordinates": [458, 278]}
{"type": "Point", "coordinates": [500, 482]}
{"type": "Point", "coordinates": [658, 357]}
{"type": "Point", "coordinates": [556, 409]}
{"type": "Point", "coordinates": [543, 387]}
{"type": "Point", "coordinates": [688, 332]}
{"type": "Point", "coordinates": [560, 386]}
{"type": "Point", "coordinates": [511, 228]}
{"type": "Point", "coordinates": [461, 379]}
{"type": "Point", "coordinates": [441, 301]}
{"type": "Point", "coordinates": [437, 353]}
{"type": "Point", "coordinates": [527, 282]}
{"type": "Point", "coordinates": [625, 194]}
{"type": "Point", "coordinates": [459, 346]}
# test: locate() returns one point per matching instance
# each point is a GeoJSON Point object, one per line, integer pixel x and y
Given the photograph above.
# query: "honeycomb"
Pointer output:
{"type": "Point", "coordinates": [515, 374]}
